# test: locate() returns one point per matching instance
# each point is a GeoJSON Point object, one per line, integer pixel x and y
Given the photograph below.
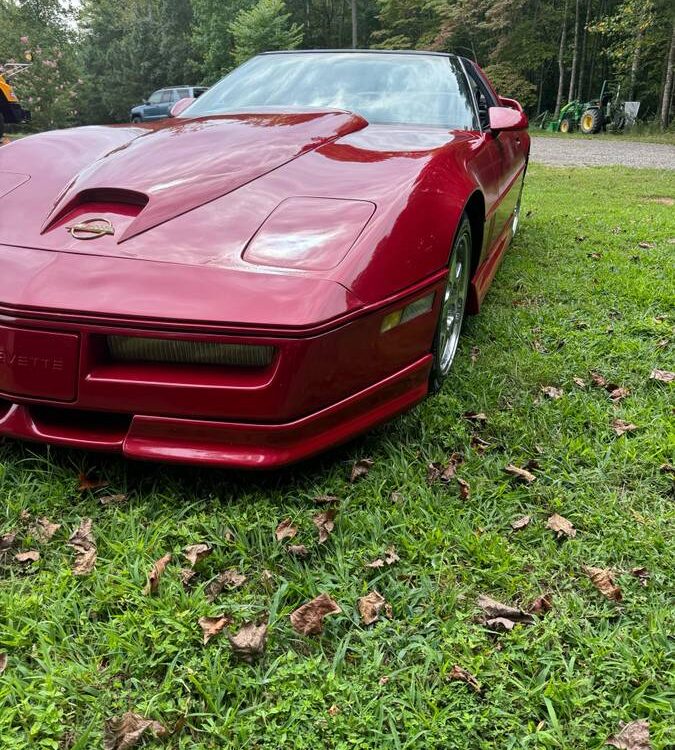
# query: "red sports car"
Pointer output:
{"type": "Point", "coordinates": [278, 267]}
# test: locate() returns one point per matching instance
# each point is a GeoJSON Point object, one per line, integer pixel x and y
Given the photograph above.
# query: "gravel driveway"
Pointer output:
{"type": "Point", "coordinates": [601, 151]}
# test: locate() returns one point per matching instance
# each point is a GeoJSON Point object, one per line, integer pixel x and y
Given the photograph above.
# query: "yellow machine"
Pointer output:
{"type": "Point", "coordinates": [10, 109]}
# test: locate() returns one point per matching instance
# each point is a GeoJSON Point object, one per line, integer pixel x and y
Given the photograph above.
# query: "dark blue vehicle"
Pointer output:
{"type": "Point", "coordinates": [158, 105]}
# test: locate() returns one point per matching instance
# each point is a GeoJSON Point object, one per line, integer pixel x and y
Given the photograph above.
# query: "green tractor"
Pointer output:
{"type": "Point", "coordinates": [607, 112]}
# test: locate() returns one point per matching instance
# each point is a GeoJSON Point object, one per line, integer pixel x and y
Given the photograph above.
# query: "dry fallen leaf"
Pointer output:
{"type": "Point", "coordinates": [390, 558]}
{"type": "Point", "coordinates": [552, 392]}
{"type": "Point", "coordinates": [249, 641]}
{"type": "Point", "coordinates": [632, 736]}
{"type": "Point", "coordinates": [29, 556]}
{"type": "Point", "coordinates": [522, 474]}
{"type": "Point", "coordinates": [478, 444]}
{"type": "Point", "coordinates": [3, 661]}
{"type": "Point", "coordinates": [361, 468]}
{"type": "Point", "coordinates": [297, 550]}
{"type": "Point", "coordinates": [521, 523]}
{"type": "Point", "coordinates": [118, 499]}
{"type": "Point", "coordinates": [231, 579]}
{"type": "Point", "coordinates": [83, 542]}
{"type": "Point", "coordinates": [621, 427]}
{"type": "Point", "coordinates": [327, 500]}
{"type": "Point", "coordinates": [663, 375]}
{"type": "Point", "coordinates": [211, 626]}
{"type": "Point", "coordinates": [334, 710]}
{"type": "Point", "coordinates": [475, 352]}
{"type": "Point", "coordinates": [186, 576]}
{"type": "Point", "coordinates": [7, 541]}
{"type": "Point", "coordinates": [464, 488]}
{"type": "Point", "coordinates": [542, 604]}
{"type": "Point", "coordinates": [642, 574]}
{"type": "Point", "coordinates": [86, 483]}
{"type": "Point", "coordinates": [580, 382]}
{"type": "Point", "coordinates": [370, 607]}
{"type": "Point", "coordinates": [43, 529]}
{"type": "Point", "coordinates": [561, 526]}
{"type": "Point", "coordinates": [598, 380]}
{"type": "Point", "coordinates": [463, 675]}
{"type": "Point", "coordinates": [498, 616]}
{"type": "Point", "coordinates": [475, 417]}
{"type": "Point", "coordinates": [664, 469]}
{"type": "Point", "coordinates": [126, 732]}
{"type": "Point", "coordinates": [308, 619]}
{"type": "Point", "coordinates": [646, 245]}
{"type": "Point", "coordinates": [195, 553]}
{"type": "Point", "coordinates": [437, 471]}
{"type": "Point", "coordinates": [325, 523]}
{"type": "Point", "coordinates": [617, 394]}
{"type": "Point", "coordinates": [158, 568]}
{"type": "Point", "coordinates": [603, 580]}
{"type": "Point", "coordinates": [285, 530]}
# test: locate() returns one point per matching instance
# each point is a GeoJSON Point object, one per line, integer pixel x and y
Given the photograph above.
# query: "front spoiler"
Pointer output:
{"type": "Point", "coordinates": [230, 444]}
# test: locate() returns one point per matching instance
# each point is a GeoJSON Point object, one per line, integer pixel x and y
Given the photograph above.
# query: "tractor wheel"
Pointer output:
{"type": "Point", "coordinates": [591, 121]}
{"type": "Point", "coordinates": [566, 125]}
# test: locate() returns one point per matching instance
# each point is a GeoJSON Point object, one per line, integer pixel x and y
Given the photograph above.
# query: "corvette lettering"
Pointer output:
{"type": "Point", "coordinates": [14, 360]}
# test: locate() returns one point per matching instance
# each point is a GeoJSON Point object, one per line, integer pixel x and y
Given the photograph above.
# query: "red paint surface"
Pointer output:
{"type": "Point", "coordinates": [186, 201]}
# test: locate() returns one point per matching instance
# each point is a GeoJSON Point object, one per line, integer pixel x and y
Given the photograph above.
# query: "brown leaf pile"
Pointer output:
{"type": "Point", "coordinates": [603, 580]}
{"type": "Point", "coordinates": [155, 574]}
{"type": "Point", "coordinates": [463, 675]}
{"type": "Point", "coordinates": [195, 553]}
{"type": "Point", "coordinates": [285, 530]}
{"type": "Point", "coordinates": [325, 523]}
{"type": "Point", "coordinates": [231, 579]}
{"type": "Point", "coordinates": [498, 616]}
{"type": "Point", "coordinates": [308, 619]}
{"type": "Point", "coordinates": [212, 626]}
{"type": "Point", "coordinates": [249, 641]}
{"type": "Point", "coordinates": [126, 732]}
{"type": "Point", "coordinates": [632, 736]}
{"type": "Point", "coordinates": [550, 391]}
{"type": "Point", "coordinates": [370, 607]}
{"type": "Point", "coordinates": [30, 556]}
{"type": "Point", "coordinates": [522, 474]}
{"type": "Point", "coordinates": [444, 473]}
{"type": "Point", "coordinates": [561, 526]}
{"type": "Point", "coordinates": [83, 542]}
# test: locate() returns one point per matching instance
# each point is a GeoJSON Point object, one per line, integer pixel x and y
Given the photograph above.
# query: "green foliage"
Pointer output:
{"type": "Point", "coordinates": [81, 650]}
{"type": "Point", "coordinates": [265, 27]}
{"type": "Point", "coordinates": [509, 82]}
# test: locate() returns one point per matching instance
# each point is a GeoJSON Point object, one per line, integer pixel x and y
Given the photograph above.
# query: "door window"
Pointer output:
{"type": "Point", "coordinates": [167, 96]}
{"type": "Point", "coordinates": [484, 96]}
{"type": "Point", "coordinates": [155, 98]}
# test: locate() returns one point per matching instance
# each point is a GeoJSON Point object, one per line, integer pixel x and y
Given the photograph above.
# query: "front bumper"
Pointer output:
{"type": "Point", "coordinates": [60, 385]}
{"type": "Point", "coordinates": [210, 442]}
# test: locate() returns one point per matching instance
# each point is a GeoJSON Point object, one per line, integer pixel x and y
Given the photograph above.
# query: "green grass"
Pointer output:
{"type": "Point", "coordinates": [84, 649]}
{"type": "Point", "coordinates": [644, 134]}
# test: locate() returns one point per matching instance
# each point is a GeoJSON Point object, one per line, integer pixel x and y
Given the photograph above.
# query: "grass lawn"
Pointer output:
{"type": "Point", "coordinates": [645, 134]}
{"type": "Point", "coordinates": [577, 293]}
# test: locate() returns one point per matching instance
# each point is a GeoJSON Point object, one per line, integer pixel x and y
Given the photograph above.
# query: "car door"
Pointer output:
{"type": "Point", "coordinates": [167, 101]}
{"type": "Point", "coordinates": [151, 111]}
{"type": "Point", "coordinates": [512, 147]}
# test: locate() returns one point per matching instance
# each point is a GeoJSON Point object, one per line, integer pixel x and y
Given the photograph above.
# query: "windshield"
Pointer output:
{"type": "Point", "coordinates": [405, 89]}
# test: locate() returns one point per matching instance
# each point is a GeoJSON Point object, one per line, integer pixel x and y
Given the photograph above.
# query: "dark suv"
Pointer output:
{"type": "Point", "coordinates": [159, 104]}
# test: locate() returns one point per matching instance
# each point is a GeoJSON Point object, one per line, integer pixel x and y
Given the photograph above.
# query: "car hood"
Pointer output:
{"type": "Point", "coordinates": [139, 177]}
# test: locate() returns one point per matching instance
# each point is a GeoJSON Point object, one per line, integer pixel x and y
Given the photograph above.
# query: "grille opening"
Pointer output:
{"type": "Point", "coordinates": [180, 351]}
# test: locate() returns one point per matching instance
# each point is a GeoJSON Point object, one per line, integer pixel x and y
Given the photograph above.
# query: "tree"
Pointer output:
{"type": "Point", "coordinates": [667, 97]}
{"type": "Point", "coordinates": [266, 26]}
{"type": "Point", "coordinates": [561, 64]}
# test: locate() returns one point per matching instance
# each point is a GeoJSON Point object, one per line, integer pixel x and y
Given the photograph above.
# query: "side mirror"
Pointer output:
{"type": "Point", "coordinates": [505, 118]}
{"type": "Point", "coordinates": [181, 105]}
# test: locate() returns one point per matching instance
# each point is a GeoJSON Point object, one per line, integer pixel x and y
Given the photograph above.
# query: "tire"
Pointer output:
{"type": "Point", "coordinates": [566, 125]}
{"type": "Point", "coordinates": [136, 119]}
{"type": "Point", "coordinates": [451, 316]}
{"type": "Point", "coordinates": [591, 121]}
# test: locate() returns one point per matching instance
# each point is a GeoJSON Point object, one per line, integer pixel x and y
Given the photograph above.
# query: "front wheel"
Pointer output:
{"type": "Point", "coordinates": [566, 125]}
{"type": "Point", "coordinates": [451, 316]}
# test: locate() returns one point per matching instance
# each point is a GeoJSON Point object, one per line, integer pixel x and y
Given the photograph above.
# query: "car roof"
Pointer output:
{"type": "Point", "coordinates": [424, 53]}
